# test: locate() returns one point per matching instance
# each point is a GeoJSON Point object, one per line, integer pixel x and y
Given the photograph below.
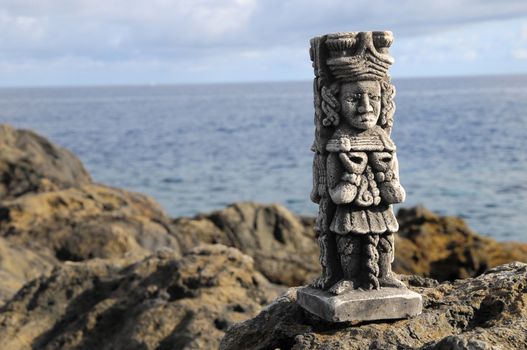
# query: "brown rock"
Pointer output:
{"type": "Point", "coordinates": [76, 224]}
{"type": "Point", "coordinates": [487, 312]}
{"type": "Point", "coordinates": [161, 302]}
{"type": "Point", "coordinates": [30, 163]}
{"type": "Point", "coordinates": [92, 221]}
{"type": "Point", "coordinates": [283, 245]}
{"type": "Point", "coordinates": [445, 248]}
{"type": "Point", "coordinates": [286, 251]}
{"type": "Point", "coordinates": [50, 212]}
{"type": "Point", "coordinates": [19, 265]}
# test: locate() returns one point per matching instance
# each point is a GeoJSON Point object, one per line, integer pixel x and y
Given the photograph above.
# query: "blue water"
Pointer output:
{"type": "Point", "coordinates": [462, 143]}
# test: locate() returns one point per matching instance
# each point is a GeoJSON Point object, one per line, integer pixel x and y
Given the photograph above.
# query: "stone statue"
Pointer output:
{"type": "Point", "coordinates": [355, 172]}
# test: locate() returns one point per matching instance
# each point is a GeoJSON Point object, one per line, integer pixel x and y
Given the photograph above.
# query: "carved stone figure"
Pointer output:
{"type": "Point", "coordinates": [355, 168]}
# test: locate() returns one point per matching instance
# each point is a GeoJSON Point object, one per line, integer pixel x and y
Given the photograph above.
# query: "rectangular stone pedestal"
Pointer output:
{"type": "Point", "coordinates": [368, 305]}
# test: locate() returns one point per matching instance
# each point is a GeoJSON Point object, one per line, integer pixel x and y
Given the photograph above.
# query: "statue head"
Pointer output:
{"type": "Point", "coordinates": [360, 103]}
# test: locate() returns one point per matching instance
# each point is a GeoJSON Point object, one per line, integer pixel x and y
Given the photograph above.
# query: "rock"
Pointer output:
{"type": "Point", "coordinates": [286, 251]}
{"type": "Point", "coordinates": [19, 265]}
{"type": "Point", "coordinates": [29, 163]}
{"type": "Point", "coordinates": [51, 212]}
{"type": "Point", "coordinates": [445, 248]}
{"type": "Point", "coordinates": [283, 245]}
{"type": "Point", "coordinates": [91, 221]}
{"type": "Point", "coordinates": [486, 312]}
{"type": "Point", "coordinates": [161, 302]}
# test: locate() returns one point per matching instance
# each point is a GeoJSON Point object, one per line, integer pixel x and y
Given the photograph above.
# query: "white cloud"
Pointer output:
{"type": "Point", "coordinates": [200, 33]}
{"type": "Point", "coordinates": [18, 30]}
{"type": "Point", "coordinates": [519, 49]}
{"type": "Point", "coordinates": [520, 54]}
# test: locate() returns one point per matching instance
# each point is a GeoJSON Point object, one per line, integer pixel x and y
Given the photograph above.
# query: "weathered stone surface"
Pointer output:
{"type": "Point", "coordinates": [51, 212]}
{"type": "Point", "coordinates": [161, 302]}
{"type": "Point", "coordinates": [445, 248]}
{"type": "Point", "coordinates": [90, 221]}
{"type": "Point", "coordinates": [19, 265]}
{"type": "Point", "coordinates": [428, 245]}
{"type": "Point", "coordinates": [29, 163]}
{"type": "Point", "coordinates": [361, 305]}
{"type": "Point", "coordinates": [488, 311]}
{"type": "Point", "coordinates": [282, 244]}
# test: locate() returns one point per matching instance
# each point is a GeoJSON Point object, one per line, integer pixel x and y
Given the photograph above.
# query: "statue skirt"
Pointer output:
{"type": "Point", "coordinates": [350, 218]}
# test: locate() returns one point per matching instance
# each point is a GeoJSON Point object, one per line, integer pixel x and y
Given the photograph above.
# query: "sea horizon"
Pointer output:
{"type": "Point", "coordinates": [520, 75]}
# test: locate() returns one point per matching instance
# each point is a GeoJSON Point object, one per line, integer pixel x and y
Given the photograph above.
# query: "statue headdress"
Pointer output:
{"type": "Point", "coordinates": [359, 56]}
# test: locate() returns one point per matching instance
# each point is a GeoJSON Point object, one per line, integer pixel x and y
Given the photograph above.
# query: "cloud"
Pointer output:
{"type": "Point", "coordinates": [161, 26]}
{"type": "Point", "coordinates": [520, 48]}
{"type": "Point", "coordinates": [185, 34]}
{"type": "Point", "coordinates": [520, 54]}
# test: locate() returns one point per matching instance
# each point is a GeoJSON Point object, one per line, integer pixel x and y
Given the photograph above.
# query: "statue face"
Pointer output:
{"type": "Point", "coordinates": [361, 103]}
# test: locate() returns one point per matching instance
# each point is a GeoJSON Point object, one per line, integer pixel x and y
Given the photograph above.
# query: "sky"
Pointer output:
{"type": "Point", "coordinates": [120, 42]}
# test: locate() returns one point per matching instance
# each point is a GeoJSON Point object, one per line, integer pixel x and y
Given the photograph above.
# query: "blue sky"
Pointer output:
{"type": "Point", "coordinates": [94, 42]}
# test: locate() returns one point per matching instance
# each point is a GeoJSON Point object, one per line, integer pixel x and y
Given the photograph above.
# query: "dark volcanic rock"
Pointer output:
{"type": "Point", "coordinates": [283, 245]}
{"type": "Point", "coordinates": [486, 312]}
{"type": "Point", "coordinates": [30, 163]}
{"type": "Point", "coordinates": [161, 302]}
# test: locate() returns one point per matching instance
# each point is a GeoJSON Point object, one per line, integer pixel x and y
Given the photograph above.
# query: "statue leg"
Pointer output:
{"type": "Point", "coordinates": [349, 251]}
{"type": "Point", "coordinates": [329, 259]}
{"type": "Point", "coordinates": [386, 253]}
{"type": "Point", "coordinates": [370, 262]}
{"type": "Point", "coordinates": [328, 256]}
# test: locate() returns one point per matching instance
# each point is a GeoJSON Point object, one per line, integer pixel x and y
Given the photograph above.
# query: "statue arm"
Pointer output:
{"type": "Point", "coordinates": [341, 192]}
{"type": "Point", "coordinates": [391, 190]}
{"type": "Point", "coordinates": [315, 192]}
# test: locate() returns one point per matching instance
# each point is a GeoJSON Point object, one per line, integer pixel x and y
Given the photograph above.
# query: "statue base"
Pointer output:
{"type": "Point", "coordinates": [361, 305]}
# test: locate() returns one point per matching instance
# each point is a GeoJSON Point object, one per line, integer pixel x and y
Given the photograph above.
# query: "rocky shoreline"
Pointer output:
{"type": "Point", "coordinates": [84, 266]}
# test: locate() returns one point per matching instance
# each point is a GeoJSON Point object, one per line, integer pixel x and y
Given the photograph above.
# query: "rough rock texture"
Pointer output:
{"type": "Point", "coordinates": [51, 212]}
{"type": "Point", "coordinates": [30, 163]}
{"type": "Point", "coordinates": [282, 244]}
{"type": "Point", "coordinates": [75, 224]}
{"type": "Point", "coordinates": [486, 312]}
{"type": "Point", "coordinates": [161, 302]}
{"type": "Point", "coordinates": [92, 221]}
{"type": "Point", "coordinates": [445, 248]}
{"type": "Point", "coordinates": [286, 251]}
{"type": "Point", "coordinates": [19, 265]}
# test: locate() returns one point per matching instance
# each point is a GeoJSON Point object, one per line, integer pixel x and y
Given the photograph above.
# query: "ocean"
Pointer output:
{"type": "Point", "coordinates": [462, 143]}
